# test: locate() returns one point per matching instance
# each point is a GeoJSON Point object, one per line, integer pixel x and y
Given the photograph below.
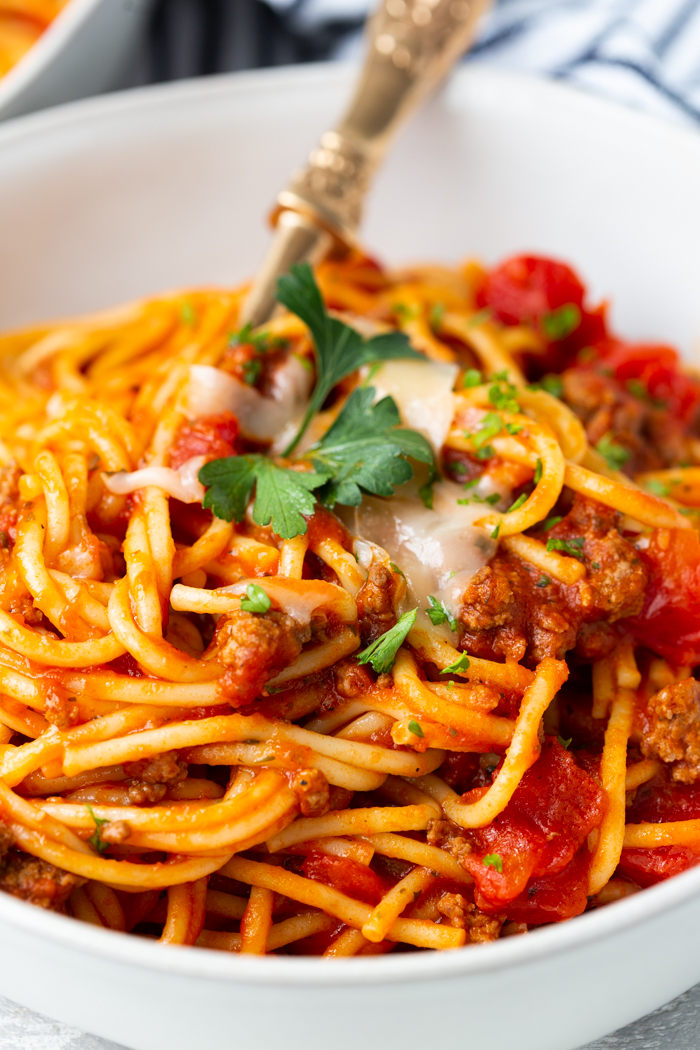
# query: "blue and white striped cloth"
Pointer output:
{"type": "Point", "coordinates": [645, 53]}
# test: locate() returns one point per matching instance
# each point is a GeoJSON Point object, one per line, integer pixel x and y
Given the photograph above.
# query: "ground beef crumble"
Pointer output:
{"type": "Point", "coordinates": [671, 729]}
{"type": "Point", "coordinates": [511, 609]}
{"type": "Point", "coordinates": [32, 879]}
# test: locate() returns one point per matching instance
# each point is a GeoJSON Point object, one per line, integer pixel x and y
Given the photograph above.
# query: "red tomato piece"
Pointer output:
{"type": "Point", "coordinates": [527, 286]}
{"type": "Point", "coordinates": [344, 874]}
{"type": "Point", "coordinates": [552, 898]}
{"type": "Point", "coordinates": [658, 369]}
{"type": "Point", "coordinates": [647, 866]}
{"type": "Point", "coordinates": [657, 803]}
{"type": "Point", "coordinates": [554, 808]}
{"type": "Point", "coordinates": [669, 623]}
{"type": "Point", "coordinates": [211, 436]}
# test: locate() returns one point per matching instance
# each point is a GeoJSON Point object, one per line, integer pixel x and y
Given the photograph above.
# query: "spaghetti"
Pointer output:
{"type": "Point", "coordinates": [22, 22]}
{"type": "Point", "coordinates": [371, 630]}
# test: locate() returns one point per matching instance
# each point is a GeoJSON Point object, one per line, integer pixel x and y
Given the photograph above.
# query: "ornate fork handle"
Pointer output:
{"type": "Point", "coordinates": [411, 46]}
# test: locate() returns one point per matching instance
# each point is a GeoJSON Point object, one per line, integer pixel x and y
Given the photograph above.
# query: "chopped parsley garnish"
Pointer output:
{"type": "Point", "coordinates": [493, 860]}
{"type": "Point", "coordinates": [460, 664]}
{"type": "Point", "coordinates": [404, 312]}
{"type": "Point", "coordinates": [472, 377]}
{"type": "Point", "coordinates": [187, 314]}
{"type": "Point", "coordinates": [544, 581]}
{"type": "Point", "coordinates": [251, 371]}
{"type": "Point", "coordinates": [491, 425]}
{"type": "Point", "coordinates": [492, 500]}
{"type": "Point", "coordinates": [518, 503]}
{"type": "Point", "coordinates": [561, 322]}
{"type": "Point", "coordinates": [260, 341]}
{"type": "Point", "coordinates": [596, 566]}
{"type": "Point", "coordinates": [340, 350]}
{"type": "Point", "coordinates": [552, 384]}
{"type": "Point", "coordinates": [256, 600]}
{"type": "Point", "coordinates": [566, 744]}
{"type": "Point", "coordinates": [95, 839]}
{"type": "Point", "coordinates": [439, 613]}
{"type": "Point", "coordinates": [437, 312]}
{"type": "Point", "coordinates": [480, 318]}
{"type": "Point", "coordinates": [615, 455]}
{"type": "Point", "coordinates": [538, 472]}
{"type": "Point", "coordinates": [396, 569]}
{"type": "Point", "coordinates": [414, 727]}
{"type": "Point", "coordinates": [573, 546]}
{"type": "Point", "coordinates": [638, 389]}
{"type": "Point", "coordinates": [382, 653]}
{"type": "Point", "coordinates": [363, 451]}
{"type": "Point", "coordinates": [502, 394]}
{"type": "Point", "coordinates": [496, 532]}
{"type": "Point", "coordinates": [486, 452]}
{"type": "Point", "coordinates": [549, 523]}
{"type": "Point", "coordinates": [514, 428]}
{"type": "Point", "coordinates": [657, 488]}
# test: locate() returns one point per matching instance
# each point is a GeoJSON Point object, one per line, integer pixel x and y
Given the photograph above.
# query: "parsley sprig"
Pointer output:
{"type": "Point", "coordinates": [365, 450]}
{"type": "Point", "coordinates": [614, 454]}
{"type": "Point", "coordinates": [340, 350]}
{"type": "Point", "coordinates": [439, 613]}
{"type": "Point", "coordinates": [382, 653]}
{"type": "Point", "coordinates": [95, 839]}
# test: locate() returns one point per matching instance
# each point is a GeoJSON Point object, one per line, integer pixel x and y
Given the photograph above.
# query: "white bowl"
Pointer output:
{"type": "Point", "coordinates": [128, 195]}
{"type": "Point", "coordinates": [83, 52]}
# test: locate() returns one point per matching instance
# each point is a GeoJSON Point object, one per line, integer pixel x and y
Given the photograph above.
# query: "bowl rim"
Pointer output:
{"type": "Point", "coordinates": [557, 939]}
{"type": "Point", "coordinates": [47, 47]}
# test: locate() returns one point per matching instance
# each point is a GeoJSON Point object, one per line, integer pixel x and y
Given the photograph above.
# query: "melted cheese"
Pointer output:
{"type": "Point", "coordinates": [438, 550]}
{"type": "Point", "coordinates": [181, 484]}
{"type": "Point", "coordinates": [423, 394]}
{"type": "Point", "coordinates": [211, 391]}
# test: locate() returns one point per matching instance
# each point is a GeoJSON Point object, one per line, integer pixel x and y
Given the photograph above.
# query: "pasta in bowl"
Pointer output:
{"type": "Point", "coordinates": [369, 631]}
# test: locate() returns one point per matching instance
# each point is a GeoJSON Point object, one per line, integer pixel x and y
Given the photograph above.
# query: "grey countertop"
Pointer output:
{"type": "Point", "coordinates": [675, 1026]}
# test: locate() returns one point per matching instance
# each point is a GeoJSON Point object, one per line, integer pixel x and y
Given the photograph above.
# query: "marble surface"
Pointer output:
{"type": "Point", "coordinates": [675, 1026]}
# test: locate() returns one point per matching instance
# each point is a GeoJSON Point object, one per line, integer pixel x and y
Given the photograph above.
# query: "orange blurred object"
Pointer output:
{"type": "Point", "coordinates": [21, 24]}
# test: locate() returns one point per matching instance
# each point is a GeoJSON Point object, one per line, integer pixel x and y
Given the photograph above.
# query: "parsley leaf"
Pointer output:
{"type": "Point", "coordinates": [439, 613]}
{"type": "Point", "coordinates": [544, 581]}
{"type": "Point", "coordinates": [382, 653]}
{"type": "Point", "coordinates": [282, 496]}
{"type": "Point", "coordinates": [615, 455]}
{"type": "Point", "coordinates": [561, 322]}
{"type": "Point", "coordinates": [549, 523]}
{"type": "Point", "coordinates": [365, 451]}
{"type": "Point", "coordinates": [518, 503]}
{"type": "Point", "coordinates": [566, 744]}
{"type": "Point", "coordinates": [340, 350]}
{"type": "Point", "coordinates": [414, 727]}
{"type": "Point", "coordinates": [502, 394]}
{"type": "Point", "coordinates": [538, 472]}
{"type": "Point", "coordinates": [572, 546]}
{"type": "Point", "coordinates": [657, 488]}
{"type": "Point", "coordinates": [95, 839]}
{"type": "Point", "coordinates": [460, 664]}
{"type": "Point", "coordinates": [472, 377]}
{"type": "Point", "coordinates": [480, 318]}
{"type": "Point", "coordinates": [187, 314]}
{"type": "Point", "coordinates": [437, 312]}
{"type": "Point", "coordinates": [256, 600]}
{"type": "Point", "coordinates": [496, 532]}
{"type": "Point", "coordinates": [251, 371]}
{"type": "Point", "coordinates": [493, 860]}
{"type": "Point", "coordinates": [396, 569]}
{"type": "Point", "coordinates": [491, 425]}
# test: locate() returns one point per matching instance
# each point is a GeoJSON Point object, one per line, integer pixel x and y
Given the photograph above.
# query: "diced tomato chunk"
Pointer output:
{"type": "Point", "coordinates": [658, 802]}
{"type": "Point", "coordinates": [554, 808]}
{"type": "Point", "coordinates": [658, 369]}
{"type": "Point", "coordinates": [344, 874]}
{"type": "Point", "coordinates": [551, 898]}
{"type": "Point", "coordinates": [211, 436]}
{"type": "Point", "coordinates": [647, 866]}
{"type": "Point", "coordinates": [526, 287]}
{"type": "Point", "coordinates": [669, 623]}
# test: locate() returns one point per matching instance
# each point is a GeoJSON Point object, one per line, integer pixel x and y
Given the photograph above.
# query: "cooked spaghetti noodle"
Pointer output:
{"type": "Point", "coordinates": [371, 630]}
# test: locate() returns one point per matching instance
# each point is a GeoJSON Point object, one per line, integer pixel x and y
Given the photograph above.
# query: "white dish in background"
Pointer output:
{"type": "Point", "coordinates": [83, 52]}
{"type": "Point", "coordinates": [129, 195]}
